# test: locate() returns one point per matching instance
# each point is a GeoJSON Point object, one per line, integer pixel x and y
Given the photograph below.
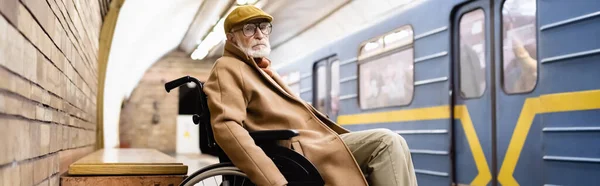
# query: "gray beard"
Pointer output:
{"type": "Point", "coordinates": [256, 53]}
{"type": "Point", "coordinates": [264, 52]}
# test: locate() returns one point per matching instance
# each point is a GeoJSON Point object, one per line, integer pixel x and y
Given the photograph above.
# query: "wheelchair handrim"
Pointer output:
{"type": "Point", "coordinates": [220, 171]}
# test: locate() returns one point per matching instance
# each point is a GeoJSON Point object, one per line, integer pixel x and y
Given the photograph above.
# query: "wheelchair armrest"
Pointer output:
{"type": "Point", "coordinates": [273, 135]}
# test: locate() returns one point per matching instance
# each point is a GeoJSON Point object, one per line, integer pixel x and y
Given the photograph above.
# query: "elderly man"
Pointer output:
{"type": "Point", "coordinates": [244, 95]}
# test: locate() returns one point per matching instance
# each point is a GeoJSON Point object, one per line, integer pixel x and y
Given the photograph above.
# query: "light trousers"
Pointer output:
{"type": "Point", "coordinates": [383, 157]}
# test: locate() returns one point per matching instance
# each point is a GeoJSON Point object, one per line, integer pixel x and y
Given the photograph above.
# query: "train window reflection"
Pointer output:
{"type": "Point", "coordinates": [472, 54]}
{"type": "Point", "coordinates": [321, 91]}
{"type": "Point", "coordinates": [519, 46]}
{"type": "Point", "coordinates": [387, 80]}
{"type": "Point", "coordinates": [398, 38]}
{"type": "Point", "coordinates": [371, 48]}
{"type": "Point", "coordinates": [335, 86]}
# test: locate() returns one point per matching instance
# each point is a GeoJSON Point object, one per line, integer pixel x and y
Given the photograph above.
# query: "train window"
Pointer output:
{"type": "Point", "coordinates": [472, 54]}
{"type": "Point", "coordinates": [387, 80]}
{"type": "Point", "coordinates": [519, 50]}
{"type": "Point", "coordinates": [398, 38]}
{"type": "Point", "coordinates": [321, 86]}
{"type": "Point", "coordinates": [371, 48]}
{"type": "Point", "coordinates": [293, 82]}
{"type": "Point", "coordinates": [335, 86]}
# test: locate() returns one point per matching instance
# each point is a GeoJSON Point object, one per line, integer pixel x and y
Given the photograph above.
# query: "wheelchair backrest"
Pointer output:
{"type": "Point", "coordinates": [208, 145]}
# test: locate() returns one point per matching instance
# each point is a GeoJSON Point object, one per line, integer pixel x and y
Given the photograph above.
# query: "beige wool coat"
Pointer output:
{"type": "Point", "coordinates": [243, 98]}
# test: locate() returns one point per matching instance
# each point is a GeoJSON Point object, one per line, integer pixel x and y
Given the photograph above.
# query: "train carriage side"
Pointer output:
{"type": "Point", "coordinates": [416, 66]}
{"type": "Point", "coordinates": [550, 135]}
{"type": "Point", "coordinates": [503, 126]}
{"type": "Point", "coordinates": [404, 88]}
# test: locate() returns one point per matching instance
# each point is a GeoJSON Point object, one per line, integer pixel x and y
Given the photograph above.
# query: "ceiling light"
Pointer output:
{"type": "Point", "coordinates": [252, 1]}
{"type": "Point", "coordinates": [241, 2]}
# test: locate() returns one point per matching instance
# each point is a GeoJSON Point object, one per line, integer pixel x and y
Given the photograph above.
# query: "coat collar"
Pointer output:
{"type": "Point", "coordinates": [231, 50]}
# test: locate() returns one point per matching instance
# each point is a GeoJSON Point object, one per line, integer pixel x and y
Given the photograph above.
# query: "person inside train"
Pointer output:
{"type": "Point", "coordinates": [521, 71]}
{"type": "Point", "coordinates": [244, 94]}
{"type": "Point", "coordinates": [472, 75]}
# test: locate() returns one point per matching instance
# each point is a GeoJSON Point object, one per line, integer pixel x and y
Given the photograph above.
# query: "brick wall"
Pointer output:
{"type": "Point", "coordinates": [149, 98]}
{"type": "Point", "coordinates": [48, 87]}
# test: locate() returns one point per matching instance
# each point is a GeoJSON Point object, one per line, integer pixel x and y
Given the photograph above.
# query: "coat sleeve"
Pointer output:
{"type": "Point", "coordinates": [227, 104]}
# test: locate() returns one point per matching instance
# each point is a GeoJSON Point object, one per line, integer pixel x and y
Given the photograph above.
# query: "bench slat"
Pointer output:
{"type": "Point", "coordinates": [127, 162]}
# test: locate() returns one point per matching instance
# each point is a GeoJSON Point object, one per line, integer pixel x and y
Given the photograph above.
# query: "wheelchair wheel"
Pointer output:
{"type": "Point", "coordinates": [223, 174]}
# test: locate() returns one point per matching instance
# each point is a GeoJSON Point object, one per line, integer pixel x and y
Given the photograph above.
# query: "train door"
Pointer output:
{"type": "Point", "coordinates": [473, 94]}
{"type": "Point", "coordinates": [516, 80]}
{"type": "Point", "coordinates": [326, 86]}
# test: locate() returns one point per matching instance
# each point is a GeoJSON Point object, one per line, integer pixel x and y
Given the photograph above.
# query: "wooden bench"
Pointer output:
{"type": "Point", "coordinates": [131, 167]}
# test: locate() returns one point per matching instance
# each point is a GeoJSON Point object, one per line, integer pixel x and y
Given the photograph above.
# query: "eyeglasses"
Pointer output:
{"type": "Point", "coordinates": [249, 29]}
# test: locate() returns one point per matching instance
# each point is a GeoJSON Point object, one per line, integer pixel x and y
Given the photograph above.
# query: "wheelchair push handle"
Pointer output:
{"type": "Point", "coordinates": [176, 83]}
{"type": "Point", "coordinates": [181, 81]}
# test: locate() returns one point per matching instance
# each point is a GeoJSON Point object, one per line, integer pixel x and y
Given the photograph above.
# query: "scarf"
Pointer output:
{"type": "Point", "coordinates": [264, 64]}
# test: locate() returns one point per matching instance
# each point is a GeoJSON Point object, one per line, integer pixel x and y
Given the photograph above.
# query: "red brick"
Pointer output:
{"type": "Point", "coordinates": [68, 157]}
{"type": "Point", "coordinates": [49, 114]}
{"type": "Point", "coordinates": [40, 170]}
{"type": "Point", "coordinates": [10, 175]}
{"type": "Point", "coordinates": [22, 150]}
{"type": "Point", "coordinates": [3, 107]}
{"type": "Point", "coordinates": [15, 53]}
{"type": "Point", "coordinates": [13, 105]}
{"type": "Point", "coordinates": [54, 181]}
{"type": "Point", "coordinates": [65, 137]}
{"type": "Point", "coordinates": [46, 97]}
{"type": "Point", "coordinates": [57, 143]}
{"type": "Point", "coordinates": [63, 118]}
{"type": "Point", "coordinates": [54, 164]}
{"type": "Point", "coordinates": [37, 93]}
{"type": "Point", "coordinates": [92, 137]}
{"type": "Point", "coordinates": [37, 9]}
{"type": "Point", "coordinates": [12, 133]}
{"type": "Point", "coordinates": [34, 139]}
{"type": "Point", "coordinates": [21, 87]}
{"type": "Point", "coordinates": [62, 82]}
{"type": "Point", "coordinates": [37, 51]}
{"type": "Point", "coordinates": [60, 60]}
{"type": "Point", "coordinates": [73, 138]}
{"type": "Point", "coordinates": [52, 79]}
{"type": "Point", "coordinates": [30, 63]}
{"type": "Point", "coordinates": [2, 174]}
{"type": "Point", "coordinates": [56, 116]}
{"type": "Point", "coordinates": [6, 79]}
{"type": "Point", "coordinates": [55, 32]}
{"type": "Point", "coordinates": [3, 40]}
{"type": "Point", "coordinates": [41, 70]}
{"type": "Point", "coordinates": [8, 8]}
{"type": "Point", "coordinates": [26, 170]}
{"type": "Point", "coordinates": [28, 109]}
{"type": "Point", "coordinates": [71, 121]}
{"type": "Point", "coordinates": [44, 183]}
{"type": "Point", "coordinates": [56, 102]}
{"type": "Point", "coordinates": [40, 112]}
{"type": "Point", "coordinates": [5, 142]}
{"type": "Point", "coordinates": [26, 23]}
{"type": "Point", "coordinates": [45, 138]}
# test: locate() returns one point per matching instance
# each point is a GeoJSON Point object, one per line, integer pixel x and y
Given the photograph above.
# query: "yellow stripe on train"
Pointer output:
{"type": "Point", "coordinates": [560, 102]}
{"type": "Point", "coordinates": [431, 113]}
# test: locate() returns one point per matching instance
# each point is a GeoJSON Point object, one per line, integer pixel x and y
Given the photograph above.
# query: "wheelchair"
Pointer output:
{"type": "Point", "coordinates": [294, 167]}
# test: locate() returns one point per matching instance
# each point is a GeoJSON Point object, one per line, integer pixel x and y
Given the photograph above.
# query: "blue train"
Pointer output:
{"type": "Point", "coordinates": [487, 92]}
